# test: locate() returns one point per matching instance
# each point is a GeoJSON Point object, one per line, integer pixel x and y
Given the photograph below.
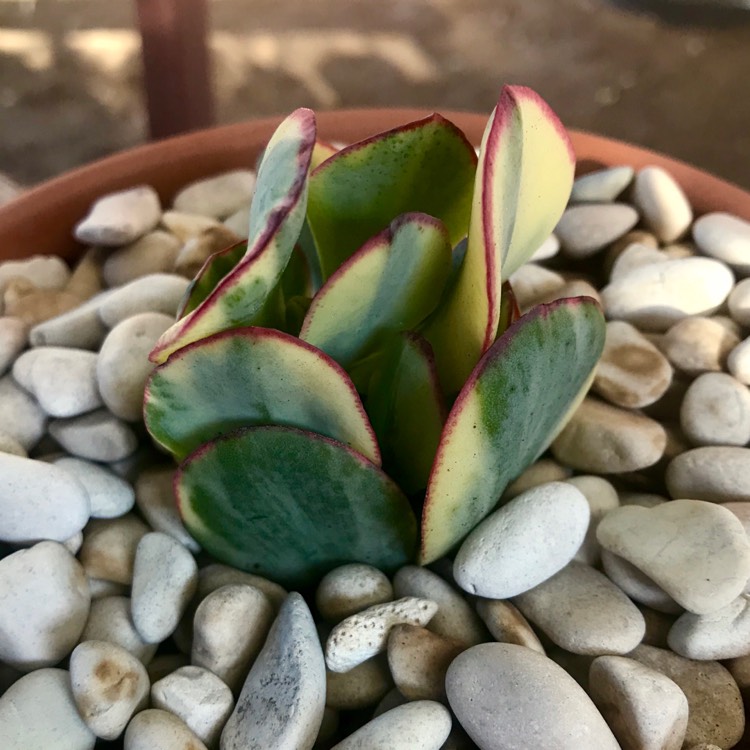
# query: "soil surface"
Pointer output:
{"type": "Point", "coordinates": [70, 71]}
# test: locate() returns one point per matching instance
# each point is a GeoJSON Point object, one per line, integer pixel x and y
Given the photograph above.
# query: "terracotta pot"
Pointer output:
{"type": "Point", "coordinates": [41, 220]}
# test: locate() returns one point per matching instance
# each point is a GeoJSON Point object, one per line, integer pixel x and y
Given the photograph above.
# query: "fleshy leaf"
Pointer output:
{"type": "Point", "coordinates": [506, 415]}
{"type": "Point", "coordinates": [322, 151]}
{"type": "Point", "coordinates": [252, 376]}
{"type": "Point", "coordinates": [426, 166]}
{"type": "Point", "coordinates": [277, 213]}
{"type": "Point", "coordinates": [523, 181]}
{"type": "Point", "coordinates": [390, 285]}
{"type": "Point", "coordinates": [510, 312]}
{"type": "Point", "coordinates": [408, 410]}
{"type": "Point", "coordinates": [213, 271]}
{"type": "Point", "coordinates": [292, 505]}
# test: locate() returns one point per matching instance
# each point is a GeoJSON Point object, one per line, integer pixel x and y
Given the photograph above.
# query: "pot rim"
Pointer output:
{"type": "Point", "coordinates": [41, 219]}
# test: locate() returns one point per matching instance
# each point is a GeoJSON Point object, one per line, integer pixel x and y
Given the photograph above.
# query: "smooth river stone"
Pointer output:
{"type": "Point", "coordinates": [39, 501]}
{"type": "Point", "coordinates": [724, 634]}
{"type": "Point", "coordinates": [698, 345]}
{"type": "Point", "coordinates": [38, 713]}
{"type": "Point", "coordinates": [507, 625]}
{"type": "Point", "coordinates": [109, 546]}
{"type": "Point", "coordinates": [715, 707]}
{"type": "Point", "coordinates": [634, 256]}
{"type": "Point", "coordinates": [632, 372]}
{"type": "Point", "coordinates": [604, 439]}
{"type": "Point", "coordinates": [662, 203]}
{"type": "Point", "coordinates": [156, 293]}
{"type": "Point", "coordinates": [165, 577]}
{"type": "Point", "coordinates": [120, 218]}
{"type": "Point", "coordinates": [697, 552]}
{"type": "Point", "coordinates": [525, 542]}
{"type": "Point", "coordinates": [718, 474]}
{"type": "Point", "coordinates": [349, 589]}
{"type": "Point", "coordinates": [217, 196]}
{"type": "Point", "coordinates": [362, 636]}
{"type": "Point", "coordinates": [454, 618]}
{"type": "Point", "coordinates": [13, 336]}
{"type": "Point", "coordinates": [419, 725]}
{"type": "Point", "coordinates": [110, 496]}
{"type": "Point", "coordinates": [23, 419]}
{"type": "Point", "coordinates": [360, 687]}
{"type": "Point", "coordinates": [644, 708]}
{"type": "Point", "coordinates": [123, 367]}
{"type": "Point", "coordinates": [738, 361]}
{"type": "Point", "coordinates": [602, 497]}
{"type": "Point", "coordinates": [154, 729]}
{"type": "Point", "coordinates": [540, 472]}
{"type": "Point", "coordinates": [582, 611]}
{"type": "Point", "coordinates": [152, 253]}
{"type": "Point", "coordinates": [44, 271]}
{"type": "Point", "coordinates": [724, 237]}
{"type": "Point", "coordinates": [507, 696]}
{"type": "Point", "coordinates": [97, 436]}
{"type": "Point", "coordinates": [585, 229]}
{"type": "Point", "coordinates": [716, 411]}
{"type": "Point", "coordinates": [281, 704]}
{"type": "Point", "coordinates": [44, 604]}
{"type": "Point", "coordinates": [63, 380]}
{"type": "Point", "coordinates": [109, 686]}
{"type": "Point", "coordinates": [655, 296]}
{"type": "Point", "coordinates": [601, 186]}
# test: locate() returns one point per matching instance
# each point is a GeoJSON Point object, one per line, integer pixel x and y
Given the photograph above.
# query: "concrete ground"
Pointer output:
{"type": "Point", "coordinates": [70, 70]}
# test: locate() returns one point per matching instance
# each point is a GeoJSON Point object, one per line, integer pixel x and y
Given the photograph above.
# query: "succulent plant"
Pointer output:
{"type": "Point", "coordinates": [360, 360]}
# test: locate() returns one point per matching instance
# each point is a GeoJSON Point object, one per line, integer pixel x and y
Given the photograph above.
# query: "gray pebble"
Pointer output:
{"type": "Point", "coordinates": [587, 228]}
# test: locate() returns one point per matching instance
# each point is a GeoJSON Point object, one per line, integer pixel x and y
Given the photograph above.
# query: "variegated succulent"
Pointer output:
{"type": "Point", "coordinates": [360, 361]}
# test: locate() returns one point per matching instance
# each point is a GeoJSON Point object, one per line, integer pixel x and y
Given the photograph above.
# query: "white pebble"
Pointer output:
{"type": "Point", "coordinates": [548, 249]}
{"type": "Point", "coordinates": [44, 603]}
{"type": "Point", "coordinates": [716, 411]}
{"type": "Point", "coordinates": [109, 495]}
{"type": "Point", "coordinates": [154, 729]}
{"type": "Point", "coordinates": [80, 327]}
{"type": "Point", "coordinates": [586, 228]}
{"type": "Point", "coordinates": [602, 498]}
{"type": "Point", "coordinates": [152, 253]}
{"type": "Point", "coordinates": [525, 542]}
{"type": "Point", "coordinates": [44, 271]}
{"type": "Point", "coordinates": [662, 203]}
{"type": "Point", "coordinates": [123, 365]}
{"type": "Point", "coordinates": [726, 238]}
{"type": "Point", "coordinates": [157, 293]}
{"type": "Point", "coordinates": [120, 218]}
{"type": "Point", "coordinates": [22, 417]}
{"type": "Point", "coordinates": [109, 545]}
{"type": "Point", "coordinates": [165, 576]}
{"type": "Point", "coordinates": [698, 345]}
{"type": "Point", "coordinates": [349, 589]}
{"type": "Point", "coordinates": [217, 196]}
{"type": "Point", "coordinates": [634, 256]}
{"type": "Point", "coordinates": [601, 186]}
{"type": "Point", "coordinates": [13, 337]}
{"type": "Point", "coordinates": [716, 473]}
{"type": "Point", "coordinates": [738, 362]}
{"type": "Point", "coordinates": [97, 436]}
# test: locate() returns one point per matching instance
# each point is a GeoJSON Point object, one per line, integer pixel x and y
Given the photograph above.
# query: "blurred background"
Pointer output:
{"type": "Point", "coordinates": [666, 74]}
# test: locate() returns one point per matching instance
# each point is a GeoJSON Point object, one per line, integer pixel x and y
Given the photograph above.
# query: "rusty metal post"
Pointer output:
{"type": "Point", "coordinates": [176, 65]}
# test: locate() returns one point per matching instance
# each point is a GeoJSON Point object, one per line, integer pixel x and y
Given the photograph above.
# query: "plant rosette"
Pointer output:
{"type": "Point", "coordinates": [393, 354]}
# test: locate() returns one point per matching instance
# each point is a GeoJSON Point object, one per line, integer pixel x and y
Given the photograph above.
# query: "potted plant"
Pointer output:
{"type": "Point", "coordinates": [361, 358]}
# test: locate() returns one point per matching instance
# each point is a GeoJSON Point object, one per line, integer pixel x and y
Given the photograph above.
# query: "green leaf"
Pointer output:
{"type": "Point", "coordinates": [515, 402]}
{"type": "Point", "coordinates": [292, 505]}
{"type": "Point", "coordinates": [277, 213]}
{"type": "Point", "coordinates": [391, 284]}
{"type": "Point", "coordinates": [252, 376]}
{"type": "Point", "coordinates": [523, 181]}
{"type": "Point", "coordinates": [214, 270]}
{"type": "Point", "coordinates": [426, 166]}
{"type": "Point", "coordinates": [408, 410]}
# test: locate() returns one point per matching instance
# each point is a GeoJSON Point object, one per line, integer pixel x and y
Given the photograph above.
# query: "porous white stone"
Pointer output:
{"type": "Point", "coordinates": [229, 629]}
{"type": "Point", "coordinates": [97, 436]}
{"type": "Point", "coordinates": [718, 474]}
{"type": "Point", "coordinates": [419, 725]}
{"type": "Point", "coordinates": [644, 708]}
{"type": "Point", "coordinates": [217, 196]}
{"type": "Point", "coordinates": [37, 712]}
{"type": "Point", "coordinates": [110, 621]}
{"type": "Point", "coordinates": [23, 418]}
{"type": "Point", "coordinates": [63, 380]}
{"type": "Point", "coordinates": [602, 185]}
{"type": "Point", "coordinates": [349, 589]}
{"type": "Point", "coordinates": [454, 618]}
{"type": "Point", "coordinates": [655, 296]}
{"type": "Point", "coordinates": [44, 604]}
{"type": "Point", "coordinates": [716, 411]}
{"type": "Point", "coordinates": [726, 238]}
{"type": "Point", "coordinates": [662, 203]}
{"type": "Point", "coordinates": [123, 367]}
{"type": "Point", "coordinates": [198, 697]}
{"type": "Point", "coordinates": [632, 372]}
{"type": "Point", "coordinates": [525, 542]}
{"type": "Point", "coordinates": [582, 611]}
{"type": "Point", "coordinates": [120, 218]}
{"type": "Point", "coordinates": [152, 253]}
{"type": "Point", "coordinates": [281, 704]}
{"type": "Point", "coordinates": [156, 293]}
{"type": "Point", "coordinates": [509, 696]}
{"type": "Point", "coordinates": [109, 685]}
{"type": "Point", "coordinates": [110, 496]}
{"type": "Point", "coordinates": [361, 636]}
{"type": "Point", "coordinates": [696, 551]}
{"type": "Point", "coordinates": [587, 228]}
{"type": "Point", "coordinates": [165, 577]}
{"type": "Point", "coordinates": [39, 501]}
